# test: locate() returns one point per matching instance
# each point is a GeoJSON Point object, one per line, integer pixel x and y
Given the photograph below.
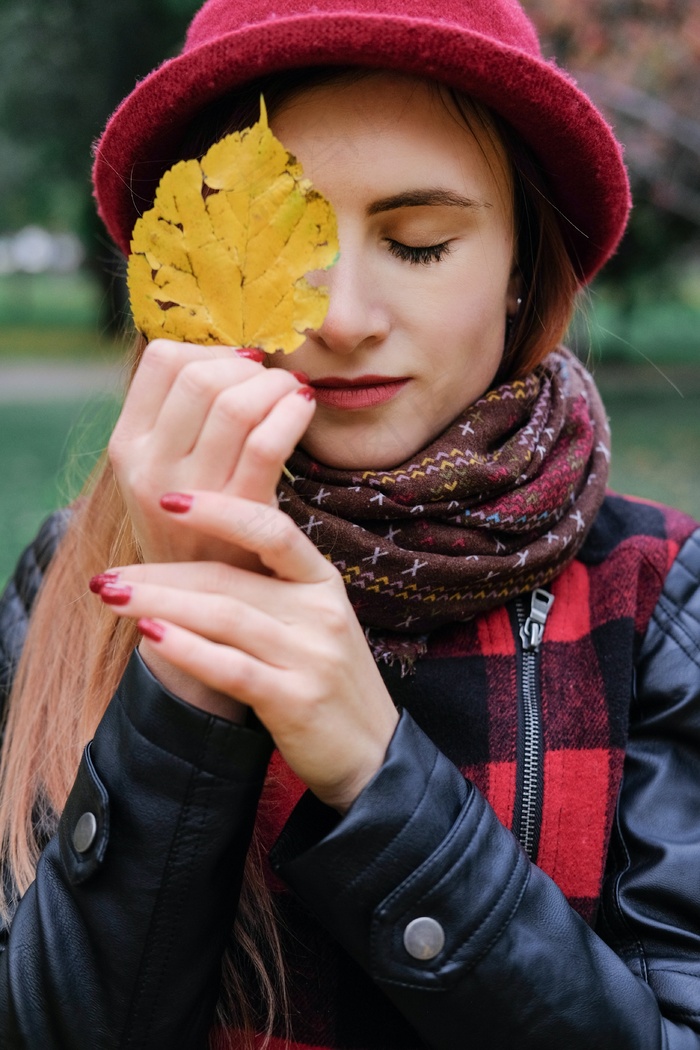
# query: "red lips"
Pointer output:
{"type": "Point", "coordinates": [361, 392]}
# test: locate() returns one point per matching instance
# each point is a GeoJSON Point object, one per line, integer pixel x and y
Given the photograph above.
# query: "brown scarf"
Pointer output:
{"type": "Point", "coordinates": [496, 506]}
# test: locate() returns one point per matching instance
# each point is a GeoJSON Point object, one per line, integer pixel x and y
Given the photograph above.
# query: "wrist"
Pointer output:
{"type": "Point", "coordinates": [341, 797]}
{"type": "Point", "coordinates": [191, 690]}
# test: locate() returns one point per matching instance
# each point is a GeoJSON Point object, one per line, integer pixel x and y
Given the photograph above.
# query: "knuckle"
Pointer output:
{"type": "Point", "coordinates": [240, 676]}
{"type": "Point", "coordinates": [336, 623]}
{"type": "Point", "coordinates": [282, 532]}
{"type": "Point", "coordinates": [232, 408]}
{"type": "Point", "coordinates": [336, 583]}
{"type": "Point", "coordinates": [116, 447]}
{"type": "Point", "coordinates": [127, 457]}
{"type": "Point", "coordinates": [283, 379]}
{"type": "Point", "coordinates": [226, 615]}
{"type": "Point", "coordinates": [217, 577]}
{"type": "Point", "coordinates": [261, 450]}
{"type": "Point", "coordinates": [332, 615]}
{"type": "Point", "coordinates": [158, 353]}
{"type": "Point", "coordinates": [135, 482]}
{"type": "Point", "coordinates": [196, 382]}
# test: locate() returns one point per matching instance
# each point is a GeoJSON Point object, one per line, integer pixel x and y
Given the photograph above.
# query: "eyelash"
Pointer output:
{"type": "Point", "coordinates": [418, 256]}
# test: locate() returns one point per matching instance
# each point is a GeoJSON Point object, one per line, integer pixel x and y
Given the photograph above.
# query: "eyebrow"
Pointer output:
{"type": "Point", "coordinates": [420, 198]}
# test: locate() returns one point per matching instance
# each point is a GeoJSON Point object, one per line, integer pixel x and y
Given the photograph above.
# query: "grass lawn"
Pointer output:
{"type": "Point", "coordinates": [48, 299]}
{"type": "Point", "coordinates": [662, 334]}
{"type": "Point", "coordinates": [47, 448]}
{"type": "Point", "coordinates": [67, 342]}
{"type": "Point", "coordinates": [655, 434]}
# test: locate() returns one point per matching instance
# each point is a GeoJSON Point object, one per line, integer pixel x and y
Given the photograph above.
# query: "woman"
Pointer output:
{"type": "Point", "coordinates": [484, 669]}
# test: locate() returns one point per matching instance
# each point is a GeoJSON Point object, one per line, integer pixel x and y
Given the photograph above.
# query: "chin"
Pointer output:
{"type": "Point", "coordinates": [360, 456]}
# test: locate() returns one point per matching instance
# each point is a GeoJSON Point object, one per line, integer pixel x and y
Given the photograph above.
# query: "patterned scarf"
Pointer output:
{"type": "Point", "coordinates": [496, 506]}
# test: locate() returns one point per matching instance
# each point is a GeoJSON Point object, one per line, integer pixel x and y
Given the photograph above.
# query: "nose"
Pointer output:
{"type": "Point", "coordinates": [358, 314]}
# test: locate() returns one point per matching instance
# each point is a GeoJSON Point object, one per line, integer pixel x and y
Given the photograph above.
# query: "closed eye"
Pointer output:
{"type": "Point", "coordinates": [419, 255]}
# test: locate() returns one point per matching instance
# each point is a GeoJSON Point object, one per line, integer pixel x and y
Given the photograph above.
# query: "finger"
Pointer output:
{"type": "Point", "coordinates": [270, 445]}
{"type": "Point", "coordinates": [189, 575]}
{"type": "Point", "coordinates": [230, 421]}
{"type": "Point", "coordinates": [158, 368]}
{"type": "Point", "coordinates": [250, 587]}
{"type": "Point", "coordinates": [194, 392]}
{"type": "Point", "coordinates": [220, 667]}
{"type": "Point", "coordinates": [219, 618]}
{"type": "Point", "coordinates": [256, 527]}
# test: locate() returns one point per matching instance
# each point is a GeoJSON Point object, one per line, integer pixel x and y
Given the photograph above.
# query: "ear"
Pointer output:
{"type": "Point", "coordinates": [514, 294]}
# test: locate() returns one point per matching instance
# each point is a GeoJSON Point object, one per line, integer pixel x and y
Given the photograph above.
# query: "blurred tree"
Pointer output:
{"type": "Point", "coordinates": [639, 60]}
{"type": "Point", "coordinates": [66, 65]}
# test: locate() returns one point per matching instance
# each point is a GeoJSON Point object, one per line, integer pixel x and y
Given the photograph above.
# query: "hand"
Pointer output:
{"type": "Point", "coordinates": [288, 644]}
{"type": "Point", "coordinates": [206, 418]}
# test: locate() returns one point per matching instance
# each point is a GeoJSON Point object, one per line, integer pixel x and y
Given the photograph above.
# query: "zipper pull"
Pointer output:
{"type": "Point", "coordinates": [532, 630]}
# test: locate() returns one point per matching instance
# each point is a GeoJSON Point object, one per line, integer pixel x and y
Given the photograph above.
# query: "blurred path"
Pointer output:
{"type": "Point", "coordinates": [38, 380]}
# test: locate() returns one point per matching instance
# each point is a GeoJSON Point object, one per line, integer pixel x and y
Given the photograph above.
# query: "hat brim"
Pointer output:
{"type": "Point", "coordinates": [575, 148]}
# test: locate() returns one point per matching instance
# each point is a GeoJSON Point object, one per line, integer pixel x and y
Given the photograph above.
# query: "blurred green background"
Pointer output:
{"type": "Point", "coordinates": [63, 310]}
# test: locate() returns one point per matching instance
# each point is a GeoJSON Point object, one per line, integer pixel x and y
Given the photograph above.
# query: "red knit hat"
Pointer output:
{"type": "Point", "coordinates": [486, 48]}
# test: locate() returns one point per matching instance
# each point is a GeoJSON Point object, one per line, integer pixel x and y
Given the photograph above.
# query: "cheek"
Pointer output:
{"type": "Point", "coordinates": [466, 314]}
{"type": "Point", "coordinates": [467, 295]}
{"type": "Point", "coordinates": [466, 337]}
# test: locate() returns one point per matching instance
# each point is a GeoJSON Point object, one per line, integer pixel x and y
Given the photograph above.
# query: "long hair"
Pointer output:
{"type": "Point", "coordinates": [76, 651]}
{"type": "Point", "coordinates": [74, 656]}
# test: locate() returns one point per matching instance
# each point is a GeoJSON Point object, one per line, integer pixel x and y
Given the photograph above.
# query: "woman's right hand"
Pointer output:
{"type": "Point", "coordinates": [210, 418]}
{"type": "Point", "coordinates": [207, 418]}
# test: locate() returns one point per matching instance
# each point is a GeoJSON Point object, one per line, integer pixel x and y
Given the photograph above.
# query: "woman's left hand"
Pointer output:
{"type": "Point", "coordinates": [289, 645]}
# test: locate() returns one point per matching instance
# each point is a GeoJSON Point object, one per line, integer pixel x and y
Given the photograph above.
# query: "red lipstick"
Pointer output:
{"type": "Point", "coordinates": [360, 392]}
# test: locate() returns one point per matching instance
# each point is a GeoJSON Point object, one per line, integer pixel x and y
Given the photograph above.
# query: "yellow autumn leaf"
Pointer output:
{"type": "Point", "coordinates": [221, 257]}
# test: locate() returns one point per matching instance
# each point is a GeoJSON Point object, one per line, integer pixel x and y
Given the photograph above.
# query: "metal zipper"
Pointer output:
{"type": "Point", "coordinates": [528, 803]}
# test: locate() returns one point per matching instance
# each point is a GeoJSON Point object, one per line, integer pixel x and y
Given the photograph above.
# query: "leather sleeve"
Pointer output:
{"type": "Point", "coordinates": [651, 906]}
{"type": "Point", "coordinates": [118, 942]}
{"type": "Point", "coordinates": [519, 968]}
{"type": "Point", "coordinates": [20, 594]}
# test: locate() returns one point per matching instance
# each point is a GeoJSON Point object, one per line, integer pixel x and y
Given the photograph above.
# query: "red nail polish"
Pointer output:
{"type": "Point", "coordinates": [97, 582]}
{"type": "Point", "coordinates": [151, 629]}
{"type": "Point", "coordinates": [251, 353]}
{"type": "Point", "coordinates": [176, 502]}
{"type": "Point", "coordinates": [307, 391]}
{"type": "Point", "coordinates": [115, 593]}
{"type": "Point", "coordinates": [301, 376]}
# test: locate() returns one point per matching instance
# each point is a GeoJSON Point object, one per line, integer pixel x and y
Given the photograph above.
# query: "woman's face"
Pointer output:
{"type": "Point", "coordinates": [419, 296]}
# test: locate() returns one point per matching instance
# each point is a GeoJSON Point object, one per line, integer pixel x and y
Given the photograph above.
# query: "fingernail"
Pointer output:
{"type": "Point", "coordinates": [301, 376]}
{"type": "Point", "coordinates": [251, 353]}
{"type": "Point", "coordinates": [151, 629]}
{"type": "Point", "coordinates": [97, 582]}
{"type": "Point", "coordinates": [176, 502]}
{"type": "Point", "coordinates": [115, 593]}
{"type": "Point", "coordinates": [307, 391]}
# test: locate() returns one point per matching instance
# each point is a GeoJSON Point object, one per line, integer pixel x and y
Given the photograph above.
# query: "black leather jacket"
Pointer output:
{"type": "Point", "coordinates": [118, 943]}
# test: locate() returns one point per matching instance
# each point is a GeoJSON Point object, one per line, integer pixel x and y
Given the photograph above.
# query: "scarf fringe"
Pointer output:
{"type": "Point", "coordinates": [388, 649]}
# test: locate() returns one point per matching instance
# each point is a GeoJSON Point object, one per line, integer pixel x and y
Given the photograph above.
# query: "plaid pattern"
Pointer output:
{"type": "Point", "coordinates": [464, 696]}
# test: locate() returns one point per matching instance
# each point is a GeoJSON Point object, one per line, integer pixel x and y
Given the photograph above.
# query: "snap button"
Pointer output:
{"type": "Point", "coordinates": [424, 938]}
{"type": "Point", "coordinates": [85, 832]}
